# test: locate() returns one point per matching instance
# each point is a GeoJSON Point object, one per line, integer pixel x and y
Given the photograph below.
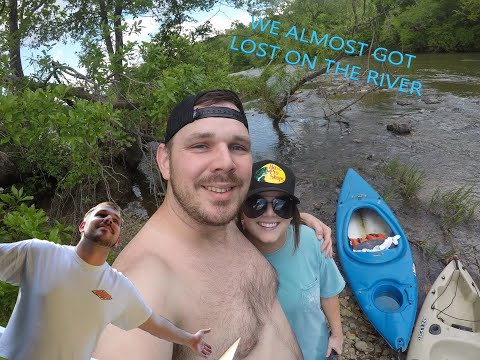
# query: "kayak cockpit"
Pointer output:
{"type": "Point", "coordinates": [373, 235]}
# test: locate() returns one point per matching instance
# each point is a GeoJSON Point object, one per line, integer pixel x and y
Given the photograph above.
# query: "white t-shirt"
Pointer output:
{"type": "Point", "coordinates": [64, 303]}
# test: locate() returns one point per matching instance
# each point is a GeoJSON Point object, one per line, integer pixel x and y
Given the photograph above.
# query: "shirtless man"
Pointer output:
{"type": "Point", "coordinates": [190, 261]}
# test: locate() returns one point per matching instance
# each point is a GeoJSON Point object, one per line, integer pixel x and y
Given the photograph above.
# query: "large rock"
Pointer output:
{"type": "Point", "coordinates": [250, 73]}
{"type": "Point", "coordinates": [133, 156]}
{"type": "Point", "coordinates": [148, 166]}
{"type": "Point", "coordinates": [8, 174]}
{"type": "Point", "coordinates": [399, 129]}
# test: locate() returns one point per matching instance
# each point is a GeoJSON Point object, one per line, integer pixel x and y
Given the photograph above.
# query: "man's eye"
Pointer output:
{"type": "Point", "coordinates": [199, 146]}
{"type": "Point", "coordinates": [238, 148]}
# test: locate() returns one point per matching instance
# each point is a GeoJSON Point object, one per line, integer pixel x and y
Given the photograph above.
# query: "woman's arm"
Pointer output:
{"type": "Point", "coordinates": [331, 309]}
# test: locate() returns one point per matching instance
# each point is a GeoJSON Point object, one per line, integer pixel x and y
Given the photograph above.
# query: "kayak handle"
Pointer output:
{"type": "Point", "coordinates": [409, 294]}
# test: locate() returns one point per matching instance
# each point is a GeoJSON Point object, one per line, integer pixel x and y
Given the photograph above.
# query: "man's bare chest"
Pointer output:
{"type": "Point", "coordinates": [234, 299]}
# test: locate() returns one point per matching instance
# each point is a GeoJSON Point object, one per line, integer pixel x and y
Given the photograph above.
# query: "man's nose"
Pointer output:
{"type": "Point", "coordinates": [223, 159]}
{"type": "Point", "coordinates": [108, 219]}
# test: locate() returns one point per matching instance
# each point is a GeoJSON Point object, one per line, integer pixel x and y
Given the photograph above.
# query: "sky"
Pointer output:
{"type": "Point", "coordinates": [221, 17]}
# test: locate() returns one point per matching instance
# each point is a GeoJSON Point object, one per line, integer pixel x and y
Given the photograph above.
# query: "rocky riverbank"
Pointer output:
{"type": "Point", "coordinates": [361, 340]}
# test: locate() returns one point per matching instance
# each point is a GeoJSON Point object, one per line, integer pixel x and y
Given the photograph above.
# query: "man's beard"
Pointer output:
{"type": "Point", "coordinates": [190, 204]}
{"type": "Point", "coordinates": [99, 240]}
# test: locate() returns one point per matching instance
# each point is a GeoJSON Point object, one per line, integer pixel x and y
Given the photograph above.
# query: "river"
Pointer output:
{"type": "Point", "coordinates": [445, 122]}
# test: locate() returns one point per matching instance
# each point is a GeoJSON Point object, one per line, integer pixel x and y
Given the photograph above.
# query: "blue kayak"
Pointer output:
{"type": "Point", "coordinates": [382, 278]}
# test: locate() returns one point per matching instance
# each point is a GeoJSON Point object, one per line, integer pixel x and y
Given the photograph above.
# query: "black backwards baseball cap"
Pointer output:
{"type": "Point", "coordinates": [268, 175]}
{"type": "Point", "coordinates": [184, 113]}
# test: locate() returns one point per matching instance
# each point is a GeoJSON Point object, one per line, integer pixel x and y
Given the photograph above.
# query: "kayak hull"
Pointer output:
{"type": "Point", "coordinates": [439, 333]}
{"type": "Point", "coordinates": [383, 282]}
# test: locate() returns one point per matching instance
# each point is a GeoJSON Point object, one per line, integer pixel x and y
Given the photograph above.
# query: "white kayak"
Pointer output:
{"type": "Point", "coordinates": [448, 326]}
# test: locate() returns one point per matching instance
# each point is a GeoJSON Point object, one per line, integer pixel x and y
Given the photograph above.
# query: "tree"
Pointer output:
{"type": "Point", "coordinates": [66, 128]}
{"type": "Point", "coordinates": [21, 20]}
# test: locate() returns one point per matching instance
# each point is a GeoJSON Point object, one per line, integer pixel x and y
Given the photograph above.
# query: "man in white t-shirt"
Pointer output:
{"type": "Point", "coordinates": [68, 295]}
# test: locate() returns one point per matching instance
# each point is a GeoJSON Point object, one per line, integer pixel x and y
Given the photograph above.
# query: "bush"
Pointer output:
{"type": "Point", "coordinates": [71, 145]}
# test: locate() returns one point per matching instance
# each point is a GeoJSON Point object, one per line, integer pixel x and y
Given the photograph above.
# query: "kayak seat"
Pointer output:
{"type": "Point", "coordinates": [368, 242]}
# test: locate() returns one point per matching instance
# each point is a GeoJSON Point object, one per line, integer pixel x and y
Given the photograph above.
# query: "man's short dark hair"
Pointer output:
{"type": "Point", "coordinates": [216, 96]}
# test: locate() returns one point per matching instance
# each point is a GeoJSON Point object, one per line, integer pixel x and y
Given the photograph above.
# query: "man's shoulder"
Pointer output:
{"type": "Point", "coordinates": [45, 245]}
{"type": "Point", "coordinates": [145, 269]}
{"type": "Point", "coordinates": [139, 255]}
{"type": "Point", "coordinates": [150, 249]}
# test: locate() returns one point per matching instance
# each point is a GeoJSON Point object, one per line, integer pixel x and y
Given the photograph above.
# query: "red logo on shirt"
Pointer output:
{"type": "Point", "coordinates": [102, 294]}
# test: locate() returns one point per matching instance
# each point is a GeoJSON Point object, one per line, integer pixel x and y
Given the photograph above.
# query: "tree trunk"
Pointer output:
{"type": "Point", "coordinates": [118, 41]}
{"type": "Point", "coordinates": [105, 29]}
{"type": "Point", "coordinates": [14, 44]}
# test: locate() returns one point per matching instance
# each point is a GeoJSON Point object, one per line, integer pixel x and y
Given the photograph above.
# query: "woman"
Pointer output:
{"type": "Point", "coordinates": [309, 282]}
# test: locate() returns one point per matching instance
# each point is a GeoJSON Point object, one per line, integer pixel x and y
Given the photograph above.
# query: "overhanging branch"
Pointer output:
{"type": "Point", "coordinates": [72, 91]}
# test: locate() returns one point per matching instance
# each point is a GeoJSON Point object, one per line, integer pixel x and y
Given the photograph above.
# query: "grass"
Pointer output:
{"type": "Point", "coordinates": [408, 180]}
{"type": "Point", "coordinates": [427, 250]}
{"type": "Point", "coordinates": [455, 206]}
{"type": "Point", "coordinates": [430, 251]}
{"type": "Point", "coordinates": [388, 194]}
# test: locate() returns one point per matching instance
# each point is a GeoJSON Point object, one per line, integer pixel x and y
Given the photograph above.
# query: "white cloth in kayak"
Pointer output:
{"type": "Point", "coordinates": [385, 245]}
{"type": "Point", "coordinates": [64, 302]}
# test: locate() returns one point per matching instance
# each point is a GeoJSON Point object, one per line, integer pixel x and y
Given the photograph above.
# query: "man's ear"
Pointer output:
{"type": "Point", "coordinates": [81, 227]}
{"type": "Point", "coordinates": [163, 161]}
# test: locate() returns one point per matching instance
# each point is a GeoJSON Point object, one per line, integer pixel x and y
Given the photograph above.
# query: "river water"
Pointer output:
{"type": "Point", "coordinates": [445, 122]}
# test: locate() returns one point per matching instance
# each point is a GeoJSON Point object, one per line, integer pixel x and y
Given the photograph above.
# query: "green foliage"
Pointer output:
{"type": "Point", "coordinates": [71, 145]}
{"type": "Point", "coordinates": [34, 16]}
{"type": "Point", "coordinates": [434, 25]}
{"type": "Point", "coordinates": [173, 69]}
{"type": "Point", "coordinates": [454, 206]}
{"type": "Point", "coordinates": [275, 83]}
{"type": "Point", "coordinates": [471, 10]}
{"type": "Point", "coordinates": [19, 221]}
{"type": "Point", "coordinates": [8, 297]}
{"type": "Point", "coordinates": [407, 179]}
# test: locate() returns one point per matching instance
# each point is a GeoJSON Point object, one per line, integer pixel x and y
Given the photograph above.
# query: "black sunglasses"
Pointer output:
{"type": "Point", "coordinates": [256, 205]}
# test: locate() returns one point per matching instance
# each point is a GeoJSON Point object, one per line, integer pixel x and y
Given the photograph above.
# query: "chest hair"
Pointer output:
{"type": "Point", "coordinates": [235, 298]}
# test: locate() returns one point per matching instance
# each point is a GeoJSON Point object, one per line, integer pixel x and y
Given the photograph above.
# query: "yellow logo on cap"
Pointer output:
{"type": "Point", "coordinates": [270, 173]}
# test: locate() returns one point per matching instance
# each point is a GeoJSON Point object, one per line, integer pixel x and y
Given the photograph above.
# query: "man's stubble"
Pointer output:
{"type": "Point", "coordinates": [224, 211]}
